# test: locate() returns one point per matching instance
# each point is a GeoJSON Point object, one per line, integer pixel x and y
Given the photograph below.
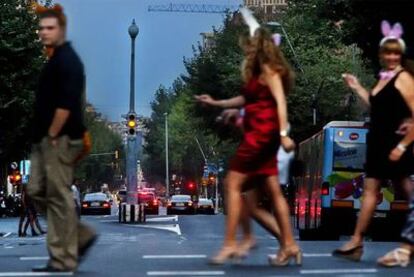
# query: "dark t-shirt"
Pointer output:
{"type": "Point", "coordinates": [61, 85]}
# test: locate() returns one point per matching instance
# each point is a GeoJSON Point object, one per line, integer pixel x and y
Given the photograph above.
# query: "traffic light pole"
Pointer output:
{"type": "Point", "coordinates": [131, 147]}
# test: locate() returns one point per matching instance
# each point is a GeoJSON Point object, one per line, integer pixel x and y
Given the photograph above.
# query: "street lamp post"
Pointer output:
{"type": "Point", "coordinates": [167, 174]}
{"type": "Point", "coordinates": [132, 153]}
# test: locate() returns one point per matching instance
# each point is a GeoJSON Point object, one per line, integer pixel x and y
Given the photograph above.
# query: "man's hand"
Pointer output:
{"type": "Point", "coordinates": [396, 154]}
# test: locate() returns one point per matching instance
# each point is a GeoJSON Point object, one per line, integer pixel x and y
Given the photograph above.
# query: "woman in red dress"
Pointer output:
{"type": "Point", "coordinates": [268, 78]}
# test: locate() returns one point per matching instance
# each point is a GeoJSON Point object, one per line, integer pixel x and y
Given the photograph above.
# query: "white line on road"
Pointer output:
{"type": "Point", "coordinates": [21, 274]}
{"type": "Point", "coordinates": [7, 234]}
{"type": "Point", "coordinates": [338, 271]}
{"type": "Point", "coordinates": [170, 227]}
{"type": "Point", "coordinates": [185, 273]}
{"type": "Point", "coordinates": [174, 256]}
{"type": "Point", "coordinates": [9, 247]}
{"type": "Point", "coordinates": [157, 219]}
{"type": "Point", "coordinates": [311, 255]}
{"type": "Point", "coordinates": [34, 258]}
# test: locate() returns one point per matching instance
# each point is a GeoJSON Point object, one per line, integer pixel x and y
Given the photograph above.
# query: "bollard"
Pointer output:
{"type": "Point", "coordinates": [131, 213]}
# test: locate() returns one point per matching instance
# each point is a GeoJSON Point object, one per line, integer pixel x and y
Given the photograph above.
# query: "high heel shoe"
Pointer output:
{"type": "Point", "coordinates": [353, 254]}
{"type": "Point", "coordinates": [245, 248]}
{"type": "Point", "coordinates": [226, 253]}
{"type": "Point", "coordinates": [284, 256]}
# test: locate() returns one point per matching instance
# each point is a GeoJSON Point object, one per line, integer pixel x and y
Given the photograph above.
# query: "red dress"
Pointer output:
{"type": "Point", "coordinates": [256, 155]}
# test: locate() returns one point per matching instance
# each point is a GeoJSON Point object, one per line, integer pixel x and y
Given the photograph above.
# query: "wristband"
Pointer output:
{"type": "Point", "coordinates": [401, 147]}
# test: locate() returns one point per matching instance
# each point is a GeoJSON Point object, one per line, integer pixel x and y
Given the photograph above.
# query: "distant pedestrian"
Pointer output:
{"type": "Point", "coordinates": [76, 196]}
{"type": "Point", "coordinates": [60, 138]}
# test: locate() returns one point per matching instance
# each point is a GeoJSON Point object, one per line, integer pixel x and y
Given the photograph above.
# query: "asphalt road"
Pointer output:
{"type": "Point", "coordinates": [180, 246]}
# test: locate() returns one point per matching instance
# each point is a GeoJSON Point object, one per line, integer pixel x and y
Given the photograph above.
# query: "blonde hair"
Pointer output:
{"type": "Point", "coordinates": [261, 50]}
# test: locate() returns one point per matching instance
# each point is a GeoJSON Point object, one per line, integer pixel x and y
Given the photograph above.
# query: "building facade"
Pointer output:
{"type": "Point", "coordinates": [268, 6]}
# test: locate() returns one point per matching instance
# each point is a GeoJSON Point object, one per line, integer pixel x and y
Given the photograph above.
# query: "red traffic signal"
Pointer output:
{"type": "Point", "coordinates": [191, 186]}
{"type": "Point", "coordinates": [15, 178]}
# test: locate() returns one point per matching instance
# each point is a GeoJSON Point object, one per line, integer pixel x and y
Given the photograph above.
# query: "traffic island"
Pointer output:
{"type": "Point", "coordinates": [132, 213]}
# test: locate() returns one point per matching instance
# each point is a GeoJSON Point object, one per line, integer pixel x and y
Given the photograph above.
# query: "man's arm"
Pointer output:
{"type": "Point", "coordinates": [59, 120]}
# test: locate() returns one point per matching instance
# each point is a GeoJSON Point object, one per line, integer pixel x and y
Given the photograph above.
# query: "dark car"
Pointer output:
{"type": "Point", "coordinates": [150, 201]}
{"type": "Point", "coordinates": [181, 204]}
{"type": "Point", "coordinates": [96, 203]}
{"type": "Point", "coordinates": [205, 206]}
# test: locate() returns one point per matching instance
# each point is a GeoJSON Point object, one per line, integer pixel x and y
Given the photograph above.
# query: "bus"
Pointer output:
{"type": "Point", "coordinates": [329, 186]}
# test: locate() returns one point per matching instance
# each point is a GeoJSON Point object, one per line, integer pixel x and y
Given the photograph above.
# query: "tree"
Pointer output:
{"type": "Point", "coordinates": [20, 62]}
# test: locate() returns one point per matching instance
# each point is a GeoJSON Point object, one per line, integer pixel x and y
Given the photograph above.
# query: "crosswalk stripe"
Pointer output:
{"type": "Point", "coordinates": [23, 274]}
{"type": "Point", "coordinates": [34, 258]}
{"type": "Point", "coordinates": [185, 273]}
{"type": "Point", "coordinates": [338, 271]}
{"type": "Point", "coordinates": [174, 256]}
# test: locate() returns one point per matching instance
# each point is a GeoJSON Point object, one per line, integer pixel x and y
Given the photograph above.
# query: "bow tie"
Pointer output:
{"type": "Point", "coordinates": [386, 75]}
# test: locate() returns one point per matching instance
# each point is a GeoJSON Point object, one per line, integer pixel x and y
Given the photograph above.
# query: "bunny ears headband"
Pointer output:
{"type": "Point", "coordinates": [395, 32]}
{"type": "Point", "coordinates": [251, 21]}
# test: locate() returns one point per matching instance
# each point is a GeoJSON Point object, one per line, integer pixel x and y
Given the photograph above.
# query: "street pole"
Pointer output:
{"type": "Point", "coordinates": [167, 174]}
{"type": "Point", "coordinates": [216, 196]}
{"type": "Point", "coordinates": [132, 153]}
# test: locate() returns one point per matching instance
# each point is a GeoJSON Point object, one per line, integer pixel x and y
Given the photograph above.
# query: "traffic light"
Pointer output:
{"type": "Point", "coordinates": [191, 186]}
{"type": "Point", "coordinates": [131, 124]}
{"type": "Point", "coordinates": [15, 178]}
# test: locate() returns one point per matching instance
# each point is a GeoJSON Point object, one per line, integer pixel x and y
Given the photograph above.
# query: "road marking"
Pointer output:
{"type": "Point", "coordinates": [20, 274]}
{"type": "Point", "coordinates": [174, 256]}
{"type": "Point", "coordinates": [175, 228]}
{"type": "Point", "coordinates": [7, 234]}
{"type": "Point", "coordinates": [185, 273]}
{"type": "Point", "coordinates": [34, 258]}
{"type": "Point", "coordinates": [309, 255]}
{"type": "Point", "coordinates": [9, 247]}
{"type": "Point", "coordinates": [338, 271]}
{"type": "Point", "coordinates": [158, 219]}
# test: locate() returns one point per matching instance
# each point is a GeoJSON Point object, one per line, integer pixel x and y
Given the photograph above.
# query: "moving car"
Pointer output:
{"type": "Point", "coordinates": [96, 203]}
{"type": "Point", "coordinates": [149, 200]}
{"type": "Point", "coordinates": [181, 203]}
{"type": "Point", "coordinates": [205, 205]}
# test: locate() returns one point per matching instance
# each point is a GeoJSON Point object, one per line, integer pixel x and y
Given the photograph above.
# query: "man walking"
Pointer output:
{"type": "Point", "coordinates": [58, 142]}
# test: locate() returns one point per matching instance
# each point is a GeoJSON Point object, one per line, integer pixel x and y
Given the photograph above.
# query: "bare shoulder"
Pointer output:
{"type": "Point", "coordinates": [405, 77]}
{"type": "Point", "coordinates": [269, 72]}
{"type": "Point", "coordinates": [405, 84]}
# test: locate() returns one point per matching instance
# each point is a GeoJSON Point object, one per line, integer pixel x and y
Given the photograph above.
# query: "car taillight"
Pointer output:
{"type": "Point", "coordinates": [106, 205]}
{"type": "Point", "coordinates": [325, 188]}
{"type": "Point", "coordinates": [169, 204]}
{"type": "Point", "coordinates": [84, 205]}
{"type": "Point", "coordinates": [155, 202]}
{"type": "Point", "coordinates": [190, 203]}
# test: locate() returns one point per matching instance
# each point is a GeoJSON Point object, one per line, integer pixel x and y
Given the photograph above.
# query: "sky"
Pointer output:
{"type": "Point", "coordinates": [98, 30]}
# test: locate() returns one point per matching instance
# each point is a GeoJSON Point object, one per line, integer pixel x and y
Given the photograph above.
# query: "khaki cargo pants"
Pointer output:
{"type": "Point", "coordinates": [49, 186]}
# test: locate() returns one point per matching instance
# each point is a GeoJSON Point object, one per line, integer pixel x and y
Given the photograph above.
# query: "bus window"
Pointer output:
{"type": "Point", "coordinates": [349, 156]}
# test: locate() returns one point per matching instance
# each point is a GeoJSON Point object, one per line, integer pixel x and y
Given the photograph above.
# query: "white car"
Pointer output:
{"type": "Point", "coordinates": [205, 205]}
{"type": "Point", "coordinates": [181, 204]}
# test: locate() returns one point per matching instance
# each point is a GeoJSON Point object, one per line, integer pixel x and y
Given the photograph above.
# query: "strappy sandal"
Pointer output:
{"type": "Point", "coordinates": [397, 257]}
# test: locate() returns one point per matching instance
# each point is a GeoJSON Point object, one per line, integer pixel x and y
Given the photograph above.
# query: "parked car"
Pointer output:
{"type": "Point", "coordinates": [181, 203]}
{"type": "Point", "coordinates": [96, 203]}
{"type": "Point", "coordinates": [150, 201]}
{"type": "Point", "coordinates": [205, 205]}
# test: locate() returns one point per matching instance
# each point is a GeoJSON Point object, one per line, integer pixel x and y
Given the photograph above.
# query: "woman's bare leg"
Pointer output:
{"type": "Point", "coordinates": [369, 203]}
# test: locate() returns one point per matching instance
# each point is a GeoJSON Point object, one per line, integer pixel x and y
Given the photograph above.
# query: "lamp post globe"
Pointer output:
{"type": "Point", "coordinates": [133, 30]}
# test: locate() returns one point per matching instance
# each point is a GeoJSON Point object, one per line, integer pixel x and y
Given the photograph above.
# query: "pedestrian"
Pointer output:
{"type": "Point", "coordinates": [76, 196]}
{"type": "Point", "coordinates": [267, 78]}
{"type": "Point", "coordinates": [60, 138]}
{"type": "Point", "coordinates": [391, 102]}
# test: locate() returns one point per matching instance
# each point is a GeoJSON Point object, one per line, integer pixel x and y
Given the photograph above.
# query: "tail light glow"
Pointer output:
{"type": "Point", "coordinates": [105, 205]}
{"type": "Point", "coordinates": [85, 205]}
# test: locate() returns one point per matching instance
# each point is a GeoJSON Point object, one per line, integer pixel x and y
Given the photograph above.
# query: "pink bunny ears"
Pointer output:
{"type": "Point", "coordinates": [251, 21]}
{"type": "Point", "coordinates": [395, 32]}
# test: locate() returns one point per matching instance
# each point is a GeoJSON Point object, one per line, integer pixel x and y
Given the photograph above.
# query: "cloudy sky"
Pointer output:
{"type": "Point", "coordinates": [98, 30]}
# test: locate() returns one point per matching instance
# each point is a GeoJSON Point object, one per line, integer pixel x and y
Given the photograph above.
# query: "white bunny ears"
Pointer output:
{"type": "Point", "coordinates": [251, 21]}
{"type": "Point", "coordinates": [394, 32]}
